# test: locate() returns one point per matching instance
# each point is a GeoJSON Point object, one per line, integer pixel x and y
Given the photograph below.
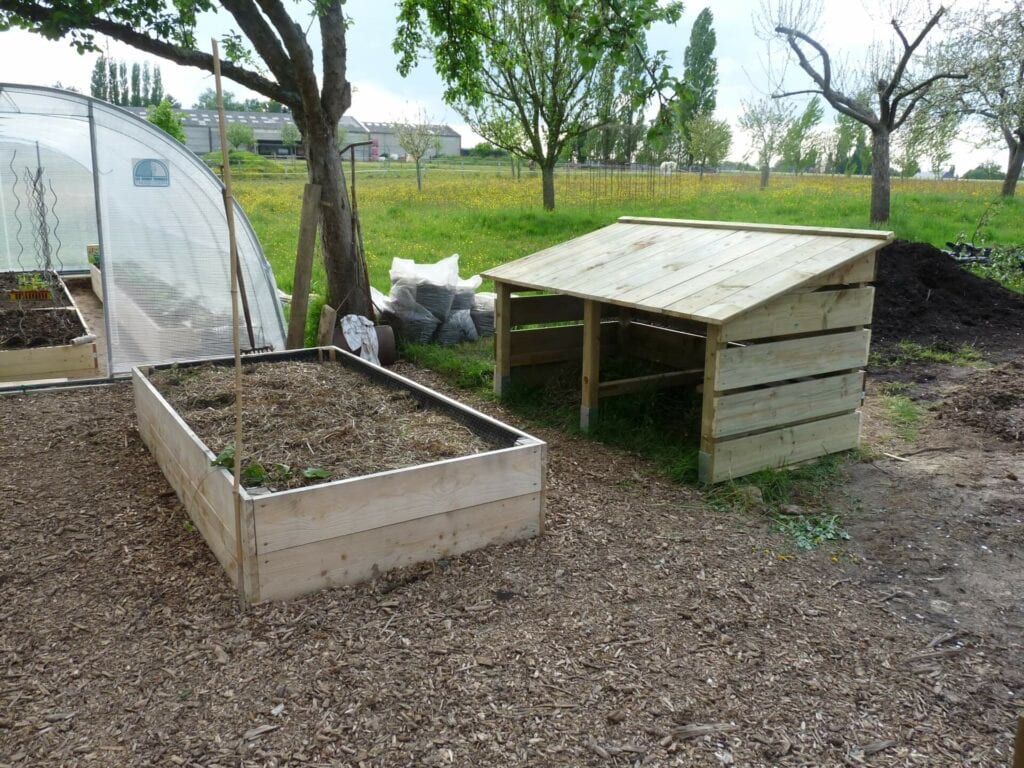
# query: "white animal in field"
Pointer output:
{"type": "Point", "coordinates": [668, 167]}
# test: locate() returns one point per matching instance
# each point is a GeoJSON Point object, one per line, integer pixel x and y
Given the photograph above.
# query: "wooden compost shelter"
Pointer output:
{"type": "Point", "coordinates": [769, 321]}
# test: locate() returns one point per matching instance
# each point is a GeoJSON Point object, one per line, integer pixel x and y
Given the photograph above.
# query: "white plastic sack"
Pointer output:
{"type": "Point", "coordinates": [444, 272]}
{"type": "Point", "coordinates": [456, 329]}
{"type": "Point", "coordinates": [465, 290]}
{"type": "Point", "coordinates": [482, 313]}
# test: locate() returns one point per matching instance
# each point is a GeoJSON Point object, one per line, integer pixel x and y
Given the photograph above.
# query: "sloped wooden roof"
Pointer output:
{"type": "Point", "coordinates": [709, 271]}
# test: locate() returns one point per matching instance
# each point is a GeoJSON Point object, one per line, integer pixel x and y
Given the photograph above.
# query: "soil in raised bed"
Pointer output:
{"type": "Point", "coordinates": [34, 328]}
{"type": "Point", "coordinates": [305, 415]}
{"type": "Point", "coordinates": [925, 296]}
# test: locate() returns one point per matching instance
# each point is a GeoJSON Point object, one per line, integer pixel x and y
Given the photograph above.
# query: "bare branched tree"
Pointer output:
{"type": "Point", "coordinates": [766, 121]}
{"type": "Point", "coordinates": [899, 83]}
{"type": "Point", "coordinates": [421, 140]}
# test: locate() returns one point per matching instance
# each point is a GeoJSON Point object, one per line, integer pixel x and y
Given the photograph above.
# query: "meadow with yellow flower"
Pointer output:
{"type": "Point", "coordinates": [488, 217]}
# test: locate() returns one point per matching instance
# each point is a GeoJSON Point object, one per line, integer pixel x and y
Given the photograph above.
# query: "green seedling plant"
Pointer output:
{"type": "Point", "coordinates": [810, 531]}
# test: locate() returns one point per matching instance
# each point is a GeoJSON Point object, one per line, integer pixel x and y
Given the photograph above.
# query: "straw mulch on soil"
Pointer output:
{"type": "Point", "coordinates": [302, 415]}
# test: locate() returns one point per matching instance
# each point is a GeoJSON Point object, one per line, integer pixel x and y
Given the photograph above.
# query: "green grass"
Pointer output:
{"type": "Point", "coordinates": [489, 218]}
{"type": "Point", "coordinates": [966, 355]}
{"type": "Point", "coordinates": [906, 415]}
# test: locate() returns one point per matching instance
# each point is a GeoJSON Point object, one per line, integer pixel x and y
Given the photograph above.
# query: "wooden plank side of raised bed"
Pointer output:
{"type": "Point", "coordinates": [205, 491]}
{"type": "Point", "coordinates": [735, 458]}
{"type": "Point", "coordinates": [780, 360]}
{"type": "Point", "coordinates": [761, 409]}
{"type": "Point", "coordinates": [357, 557]}
{"type": "Point", "coordinates": [62, 360]}
{"type": "Point", "coordinates": [305, 515]}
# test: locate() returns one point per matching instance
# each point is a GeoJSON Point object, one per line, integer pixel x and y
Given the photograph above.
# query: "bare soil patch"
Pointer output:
{"type": "Point", "coordinates": [38, 328]}
{"type": "Point", "coordinates": [992, 401]}
{"type": "Point", "coordinates": [302, 415]}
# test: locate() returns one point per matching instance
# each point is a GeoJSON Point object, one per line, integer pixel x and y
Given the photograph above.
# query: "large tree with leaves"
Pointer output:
{"type": "Point", "coordinates": [989, 47]}
{"type": "Point", "coordinates": [530, 62]}
{"type": "Point", "coordinates": [269, 52]}
{"type": "Point", "coordinates": [697, 89]}
{"type": "Point", "coordinates": [898, 83]}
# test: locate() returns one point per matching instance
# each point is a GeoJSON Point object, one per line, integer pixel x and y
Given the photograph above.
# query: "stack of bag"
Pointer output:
{"type": "Point", "coordinates": [431, 303]}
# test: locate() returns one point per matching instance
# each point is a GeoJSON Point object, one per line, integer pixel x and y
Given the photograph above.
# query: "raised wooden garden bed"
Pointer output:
{"type": "Point", "coordinates": [96, 280]}
{"type": "Point", "coordinates": [344, 531]}
{"type": "Point", "coordinates": [37, 344]}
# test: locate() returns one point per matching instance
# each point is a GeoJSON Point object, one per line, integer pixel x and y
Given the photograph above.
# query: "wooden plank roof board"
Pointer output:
{"type": "Point", "coordinates": [709, 271]}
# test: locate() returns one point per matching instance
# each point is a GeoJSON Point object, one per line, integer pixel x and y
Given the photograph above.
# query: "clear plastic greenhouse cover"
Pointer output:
{"type": "Point", "coordinates": [155, 210]}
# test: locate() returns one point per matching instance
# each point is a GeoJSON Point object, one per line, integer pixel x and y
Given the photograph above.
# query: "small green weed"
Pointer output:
{"type": "Point", "coordinates": [315, 473]}
{"type": "Point", "coordinates": [808, 486]}
{"type": "Point", "coordinates": [808, 531]}
{"type": "Point", "coordinates": [905, 414]}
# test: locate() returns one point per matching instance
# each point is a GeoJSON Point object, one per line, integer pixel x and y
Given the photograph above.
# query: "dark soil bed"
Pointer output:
{"type": "Point", "coordinates": [33, 328]}
{"type": "Point", "coordinates": [992, 401]}
{"type": "Point", "coordinates": [316, 416]}
{"type": "Point", "coordinates": [925, 296]}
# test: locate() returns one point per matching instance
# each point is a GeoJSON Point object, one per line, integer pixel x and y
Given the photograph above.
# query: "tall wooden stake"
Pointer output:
{"type": "Point", "coordinates": [1018, 750]}
{"type": "Point", "coordinates": [229, 209]}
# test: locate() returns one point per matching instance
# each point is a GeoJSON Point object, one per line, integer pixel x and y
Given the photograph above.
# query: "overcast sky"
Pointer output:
{"type": "Point", "coordinates": [381, 94]}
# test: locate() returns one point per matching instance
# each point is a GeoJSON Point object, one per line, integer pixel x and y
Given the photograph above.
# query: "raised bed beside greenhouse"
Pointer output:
{"type": "Point", "coordinates": [42, 333]}
{"type": "Point", "coordinates": [350, 470]}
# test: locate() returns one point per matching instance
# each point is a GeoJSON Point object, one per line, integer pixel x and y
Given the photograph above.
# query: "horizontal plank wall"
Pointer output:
{"type": "Point", "coordinates": [789, 385]}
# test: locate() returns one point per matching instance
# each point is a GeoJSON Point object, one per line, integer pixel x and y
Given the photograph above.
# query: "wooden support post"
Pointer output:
{"type": "Point", "coordinates": [706, 460]}
{"type": "Point", "coordinates": [591, 363]}
{"type": "Point", "coordinates": [1018, 750]}
{"type": "Point", "coordinates": [502, 339]}
{"type": "Point", "coordinates": [328, 322]}
{"type": "Point", "coordinates": [304, 266]}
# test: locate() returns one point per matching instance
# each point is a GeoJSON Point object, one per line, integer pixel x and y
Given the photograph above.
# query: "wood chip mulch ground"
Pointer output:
{"type": "Point", "coordinates": [644, 628]}
{"type": "Point", "coordinates": [308, 415]}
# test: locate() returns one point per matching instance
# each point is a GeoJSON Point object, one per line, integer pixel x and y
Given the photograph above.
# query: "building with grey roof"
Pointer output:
{"type": "Point", "coordinates": [202, 135]}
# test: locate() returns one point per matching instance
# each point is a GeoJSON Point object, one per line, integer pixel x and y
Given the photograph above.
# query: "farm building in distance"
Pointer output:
{"type": "Point", "coordinates": [201, 133]}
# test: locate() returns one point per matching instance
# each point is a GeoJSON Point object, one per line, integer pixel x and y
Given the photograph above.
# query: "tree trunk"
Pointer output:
{"type": "Point", "coordinates": [548, 180]}
{"type": "Point", "coordinates": [348, 284]}
{"type": "Point", "coordinates": [880, 186]}
{"type": "Point", "coordinates": [765, 170]}
{"type": "Point", "coordinates": [1013, 168]}
{"type": "Point", "coordinates": [419, 176]}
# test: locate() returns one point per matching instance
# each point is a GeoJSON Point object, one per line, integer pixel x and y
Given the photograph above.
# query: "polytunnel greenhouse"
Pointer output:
{"type": "Point", "coordinates": [88, 187]}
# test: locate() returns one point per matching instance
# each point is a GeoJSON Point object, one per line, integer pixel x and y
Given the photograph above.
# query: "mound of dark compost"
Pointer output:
{"type": "Point", "coordinates": [925, 296]}
{"type": "Point", "coordinates": [992, 401]}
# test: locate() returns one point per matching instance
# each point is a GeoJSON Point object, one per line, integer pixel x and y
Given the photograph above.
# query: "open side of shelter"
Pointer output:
{"type": "Point", "coordinates": [769, 323]}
